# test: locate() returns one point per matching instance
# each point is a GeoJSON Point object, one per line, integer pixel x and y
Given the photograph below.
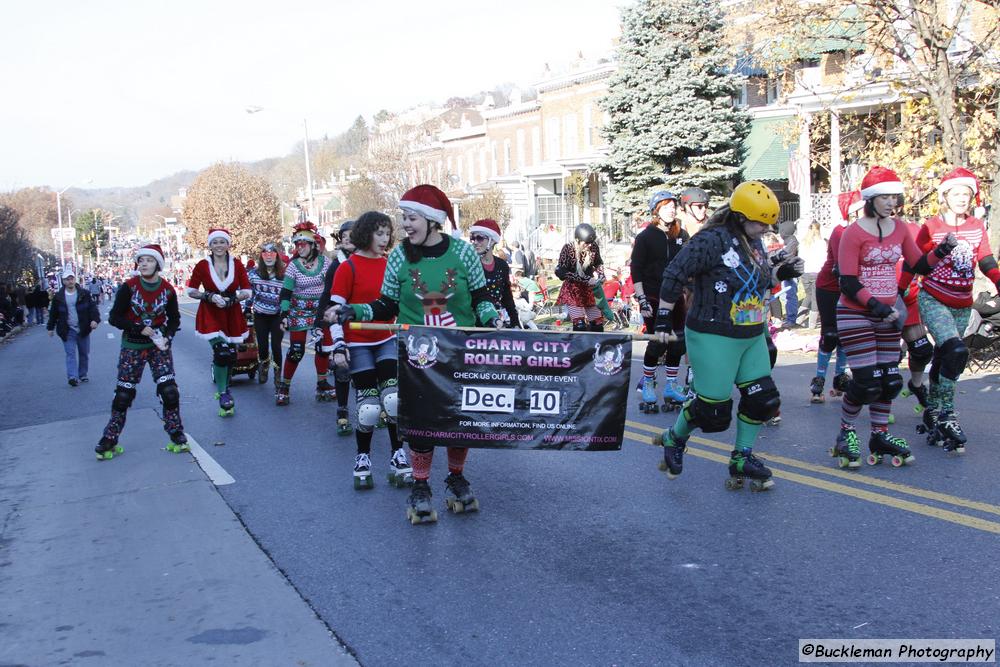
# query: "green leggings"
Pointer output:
{"type": "Point", "coordinates": [943, 323]}
{"type": "Point", "coordinates": [219, 373]}
{"type": "Point", "coordinates": [719, 363]}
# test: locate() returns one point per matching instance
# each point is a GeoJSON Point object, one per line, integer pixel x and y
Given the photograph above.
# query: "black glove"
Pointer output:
{"type": "Point", "coordinates": [561, 272]}
{"type": "Point", "coordinates": [945, 247]}
{"type": "Point", "coordinates": [787, 271]}
{"type": "Point", "coordinates": [664, 321]}
{"type": "Point", "coordinates": [644, 306]}
{"type": "Point", "coordinates": [345, 314]}
{"type": "Point", "coordinates": [879, 309]}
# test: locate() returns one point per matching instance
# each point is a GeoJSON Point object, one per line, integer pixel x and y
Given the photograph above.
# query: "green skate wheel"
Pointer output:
{"type": "Point", "coordinates": [119, 449]}
{"type": "Point", "coordinates": [896, 461]}
{"type": "Point", "coordinates": [873, 459]}
{"type": "Point", "coordinates": [905, 393]}
{"type": "Point", "coordinates": [918, 409]}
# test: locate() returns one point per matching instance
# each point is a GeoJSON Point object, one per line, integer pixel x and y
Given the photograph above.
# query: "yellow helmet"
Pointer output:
{"type": "Point", "coordinates": [756, 202]}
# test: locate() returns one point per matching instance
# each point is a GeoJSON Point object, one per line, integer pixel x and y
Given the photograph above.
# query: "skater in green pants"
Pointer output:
{"type": "Point", "coordinates": [725, 329]}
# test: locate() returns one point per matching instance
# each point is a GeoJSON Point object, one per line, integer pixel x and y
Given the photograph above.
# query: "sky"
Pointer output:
{"type": "Point", "coordinates": [121, 93]}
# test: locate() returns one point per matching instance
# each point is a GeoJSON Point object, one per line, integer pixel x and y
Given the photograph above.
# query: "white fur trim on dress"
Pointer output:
{"type": "Point", "coordinates": [219, 282]}
{"type": "Point", "coordinates": [437, 215]}
{"type": "Point", "coordinates": [884, 188]}
{"type": "Point", "coordinates": [219, 334]}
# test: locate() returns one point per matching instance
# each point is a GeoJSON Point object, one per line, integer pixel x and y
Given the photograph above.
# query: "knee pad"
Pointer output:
{"type": "Point", "coordinates": [124, 395]}
{"type": "Point", "coordinates": [368, 410]}
{"type": "Point", "coordinates": [580, 325]}
{"type": "Point", "coordinates": [920, 350]}
{"type": "Point", "coordinates": [828, 341]}
{"type": "Point", "coordinates": [891, 381]}
{"type": "Point", "coordinates": [296, 351]}
{"type": "Point", "coordinates": [168, 392]}
{"type": "Point", "coordinates": [223, 354]}
{"type": "Point", "coordinates": [759, 399]}
{"type": "Point", "coordinates": [708, 416]}
{"type": "Point", "coordinates": [865, 387]}
{"type": "Point", "coordinates": [390, 398]}
{"type": "Point", "coordinates": [954, 356]}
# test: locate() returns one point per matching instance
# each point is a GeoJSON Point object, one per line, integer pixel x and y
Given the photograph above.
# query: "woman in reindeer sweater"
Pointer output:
{"type": "Point", "coordinates": [437, 280]}
{"type": "Point", "coordinates": [945, 299]}
{"type": "Point", "coordinates": [145, 309]}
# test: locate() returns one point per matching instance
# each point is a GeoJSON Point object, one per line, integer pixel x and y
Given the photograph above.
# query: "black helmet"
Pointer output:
{"type": "Point", "coordinates": [345, 228]}
{"type": "Point", "coordinates": [585, 233]}
{"type": "Point", "coordinates": [694, 196]}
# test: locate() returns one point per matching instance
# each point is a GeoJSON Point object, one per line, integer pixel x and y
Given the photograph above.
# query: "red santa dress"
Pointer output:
{"type": "Point", "coordinates": [211, 321]}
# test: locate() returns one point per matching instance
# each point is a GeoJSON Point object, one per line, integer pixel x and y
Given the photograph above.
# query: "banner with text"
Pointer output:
{"type": "Point", "coordinates": [513, 389]}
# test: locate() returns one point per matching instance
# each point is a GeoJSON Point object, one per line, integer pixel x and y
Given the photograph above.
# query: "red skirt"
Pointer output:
{"type": "Point", "coordinates": [576, 294]}
{"type": "Point", "coordinates": [226, 323]}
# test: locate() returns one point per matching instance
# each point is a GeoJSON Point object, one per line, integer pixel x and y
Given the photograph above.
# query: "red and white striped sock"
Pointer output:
{"type": "Point", "coordinates": [421, 462]}
{"type": "Point", "coordinates": [456, 459]}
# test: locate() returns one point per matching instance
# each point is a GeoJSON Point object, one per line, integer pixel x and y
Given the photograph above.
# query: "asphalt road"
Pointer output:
{"type": "Point", "coordinates": [586, 558]}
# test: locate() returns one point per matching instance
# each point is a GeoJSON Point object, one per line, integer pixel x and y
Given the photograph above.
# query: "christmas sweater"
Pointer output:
{"type": "Point", "coordinates": [301, 292]}
{"type": "Point", "coordinates": [862, 254]}
{"type": "Point", "coordinates": [266, 293]}
{"type": "Point", "coordinates": [140, 304]}
{"type": "Point", "coordinates": [500, 291]}
{"type": "Point", "coordinates": [731, 283]}
{"type": "Point", "coordinates": [437, 289]}
{"type": "Point", "coordinates": [359, 280]}
{"type": "Point", "coordinates": [952, 279]}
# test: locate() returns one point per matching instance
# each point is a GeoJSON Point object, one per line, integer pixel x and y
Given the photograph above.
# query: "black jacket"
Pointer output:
{"type": "Point", "coordinates": [86, 312]}
{"type": "Point", "coordinates": [651, 253]}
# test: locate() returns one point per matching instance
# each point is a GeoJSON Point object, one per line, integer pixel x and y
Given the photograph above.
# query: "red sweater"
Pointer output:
{"type": "Point", "coordinates": [874, 263]}
{"type": "Point", "coordinates": [952, 279]}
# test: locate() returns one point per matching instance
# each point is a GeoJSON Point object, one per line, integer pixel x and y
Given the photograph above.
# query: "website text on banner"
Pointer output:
{"type": "Point", "coordinates": [513, 389]}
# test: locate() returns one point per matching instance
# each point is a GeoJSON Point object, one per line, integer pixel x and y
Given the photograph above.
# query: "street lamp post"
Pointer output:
{"type": "Point", "coordinates": [59, 195]}
{"type": "Point", "coordinates": [309, 185]}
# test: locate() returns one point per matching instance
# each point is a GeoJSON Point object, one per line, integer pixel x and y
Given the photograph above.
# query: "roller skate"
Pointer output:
{"type": "Point", "coordinates": [281, 392]}
{"type": "Point", "coordinates": [949, 433]}
{"type": "Point", "coordinates": [265, 366]}
{"type": "Point", "coordinates": [461, 498]}
{"type": "Point", "coordinates": [744, 465]}
{"type": "Point", "coordinates": [928, 425]}
{"type": "Point", "coordinates": [343, 423]}
{"type": "Point", "coordinates": [775, 420]}
{"type": "Point", "coordinates": [647, 403]}
{"type": "Point", "coordinates": [400, 473]}
{"type": "Point", "coordinates": [178, 443]}
{"type": "Point", "coordinates": [673, 397]}
{"type": "Point", "coordinates": [673, 452]}
{"type": "Point", "coordinates": [882, 444]}
{"type": "Point", "coordinates": [816, 389]}
{"type": "Point", "coordinates": [227, 406]}
{"type": "Point", "coordinates": [363, 473]}
{"type": "Point", "coordinates": [325, 392]}
{"type": "Point", "coordinates": [847, 451]}
{"type": "Point", "coordinates": [920, 392]}
{"type": "Point", "coordinates": [839, 385]}
{"type": "Point", "coordinates": [106, 449]}
{"type": "Point", "coordinates": [419, 509]}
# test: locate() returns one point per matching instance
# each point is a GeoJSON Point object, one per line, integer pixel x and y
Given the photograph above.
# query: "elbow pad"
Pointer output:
{"type": "Point", "coordinates": [850, 285]}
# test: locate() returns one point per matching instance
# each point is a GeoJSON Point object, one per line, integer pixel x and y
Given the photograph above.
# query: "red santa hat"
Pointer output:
{"type": "Point", "coordinates": [219, 233]}
{"type": "Point", "coordinates": [151, 250]}
{"type": "Point", "coordinates": [429, 202]}
{"type": "Point", "coordinates": [849, 202]}
{"type": "Point", "coordinates": [486, 227]}
{"type": "Point", "coordinates": [880, 181]}
{"type": "Point", "coordinates": [305, 231]}
{"type": "Point", "coordinates": [960, 176]}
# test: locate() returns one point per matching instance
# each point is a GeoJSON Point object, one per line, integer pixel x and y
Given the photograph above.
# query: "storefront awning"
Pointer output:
{"type": "Point", "coordinates": [766, 154]}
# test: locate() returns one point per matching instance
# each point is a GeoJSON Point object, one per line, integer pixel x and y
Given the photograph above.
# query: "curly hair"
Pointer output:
{"type": "Point", "coordinates": [365, 227]}
{"type": "Point", "coordinates": [279, 264]}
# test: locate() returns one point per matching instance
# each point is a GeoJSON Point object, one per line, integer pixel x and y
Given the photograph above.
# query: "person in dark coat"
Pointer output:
{"type": "Point", "coordinates": [73, 314]}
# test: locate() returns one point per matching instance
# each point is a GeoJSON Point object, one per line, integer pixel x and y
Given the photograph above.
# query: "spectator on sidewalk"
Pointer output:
{"type": "Point", "coordinates": [73, 315]}
{"type": "Point", "coordinates": [38, 303]}
{"type": "Point", "coordinates": [787, 228]}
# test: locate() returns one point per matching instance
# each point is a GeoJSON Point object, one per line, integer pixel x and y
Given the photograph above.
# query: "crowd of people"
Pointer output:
{"type": "Point", "coordinates": [703, 282]}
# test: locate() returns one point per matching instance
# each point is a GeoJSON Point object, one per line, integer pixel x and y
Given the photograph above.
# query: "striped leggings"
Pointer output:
{"type": "Point", "coordinates": [868, 343]}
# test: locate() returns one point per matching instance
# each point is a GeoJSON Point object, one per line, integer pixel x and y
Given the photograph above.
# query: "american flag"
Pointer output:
{"type": "Point", "coordinates": [798, 177]}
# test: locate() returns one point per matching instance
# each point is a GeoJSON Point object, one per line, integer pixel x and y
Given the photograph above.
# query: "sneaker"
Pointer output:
{"type": "Point", "coordinates": [84, 379]}
{"type": "Point", "coordinates": [73, 382]}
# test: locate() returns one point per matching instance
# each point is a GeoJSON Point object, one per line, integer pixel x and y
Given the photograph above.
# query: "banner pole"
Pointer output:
{"type": "Point", "coordinates": [379, 326]}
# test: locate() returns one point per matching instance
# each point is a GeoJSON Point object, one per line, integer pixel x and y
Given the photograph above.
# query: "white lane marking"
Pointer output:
{"type": "Point", "coordinates": [209, 466]}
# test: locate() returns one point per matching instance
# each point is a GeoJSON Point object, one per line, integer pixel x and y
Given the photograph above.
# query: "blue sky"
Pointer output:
{"type": "Point", "coordinates": [125, 92]}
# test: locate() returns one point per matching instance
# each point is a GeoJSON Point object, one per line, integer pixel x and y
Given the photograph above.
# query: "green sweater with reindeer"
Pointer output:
{"type": "Point", "coordinates": [437, 291]}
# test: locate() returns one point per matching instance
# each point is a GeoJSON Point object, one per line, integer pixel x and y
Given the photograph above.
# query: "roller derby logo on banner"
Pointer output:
{"type": "Point", "coordinates": [513, 389]}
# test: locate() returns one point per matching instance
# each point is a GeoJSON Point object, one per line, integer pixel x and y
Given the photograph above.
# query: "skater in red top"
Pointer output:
{"type": "Point", "coordinates": [224, 283]}
{"type": "Point", "coordinates": [945, 299]}
{"type": "Point", "coordinates": [870, 315]}
{"type": "Point", "coordinates": [581, 268]}
{"type": "Point", "coordinates": [370, 355]}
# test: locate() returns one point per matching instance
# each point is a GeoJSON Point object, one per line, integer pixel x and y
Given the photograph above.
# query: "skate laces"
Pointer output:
{"type": "Point", "coordinates": [851, 439]}
{"type": "Point", "coordinates": [896, 440]}
{"type": "Point", "coordinates": [457, 483]}
{"type": "Point", "coordinates": [399, 459]}
{"type": "Point", "coordinates": [362, 461]}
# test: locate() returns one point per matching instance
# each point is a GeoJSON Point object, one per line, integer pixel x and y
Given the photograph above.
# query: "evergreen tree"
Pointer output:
{"type": "Point", "coordinates": [672, 120]}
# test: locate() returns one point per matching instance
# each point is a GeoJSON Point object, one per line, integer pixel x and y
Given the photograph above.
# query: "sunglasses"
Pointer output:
{"type": "Point", "coordinates": [269, 253]}
{"type": "Point", "coordinates": [476, 238]}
